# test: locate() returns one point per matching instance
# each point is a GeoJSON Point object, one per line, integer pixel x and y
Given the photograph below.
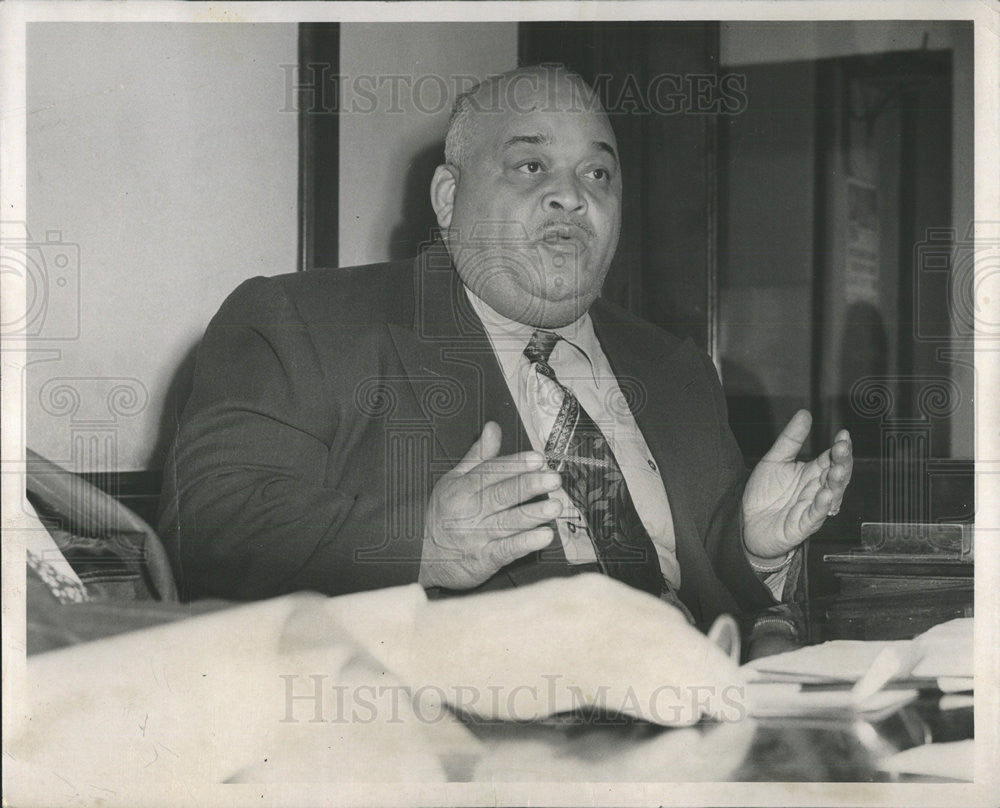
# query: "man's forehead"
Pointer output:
{"type": "Point", "coordinates": [546, 127]}
{"type": "Point", "coordinates": [538, 131]}
{"type": "Point", "coordinates": [543, 115]}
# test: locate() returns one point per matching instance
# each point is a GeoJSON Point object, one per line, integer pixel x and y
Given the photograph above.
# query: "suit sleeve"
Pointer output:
{"type": "Point", "coordinates": [724, 542]}
{"type": "Point", "coordinates": [246, 510]}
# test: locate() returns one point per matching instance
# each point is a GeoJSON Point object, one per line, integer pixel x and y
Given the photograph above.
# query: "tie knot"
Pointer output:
{"type": "Point", "coordinates": [540, 346]}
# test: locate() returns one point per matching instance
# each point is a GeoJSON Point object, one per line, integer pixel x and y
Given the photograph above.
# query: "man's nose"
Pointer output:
{"type": "Point", "coordinates": [564, 194]}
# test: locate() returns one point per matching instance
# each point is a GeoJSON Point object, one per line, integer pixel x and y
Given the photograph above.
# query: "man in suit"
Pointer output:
{"type": "Point", "coordinates": [478, 418]}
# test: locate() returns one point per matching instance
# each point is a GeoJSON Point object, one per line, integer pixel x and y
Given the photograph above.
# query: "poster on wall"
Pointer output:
{"type": "Point", "coordinates": [861, 256]}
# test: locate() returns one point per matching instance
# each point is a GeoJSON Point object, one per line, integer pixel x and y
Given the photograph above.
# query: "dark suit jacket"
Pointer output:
{"type": "Point", "coordinates": [326, 403]}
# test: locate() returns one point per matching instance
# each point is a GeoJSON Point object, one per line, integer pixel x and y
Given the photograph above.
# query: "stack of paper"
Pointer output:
{"type": "Point", "coordinates": [858, 676]}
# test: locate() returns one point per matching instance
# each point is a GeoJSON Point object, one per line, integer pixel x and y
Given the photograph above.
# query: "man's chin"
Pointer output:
{"type": "Point", "coordinates": [556, 312]}
{"type": "Point", "coordinates": [541, 312]}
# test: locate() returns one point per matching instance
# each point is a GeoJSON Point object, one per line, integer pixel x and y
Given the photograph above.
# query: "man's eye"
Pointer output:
{"type": "Point", "coordinates": [600, 174]}
{"type": "Point", "coordinates": [531, 167]}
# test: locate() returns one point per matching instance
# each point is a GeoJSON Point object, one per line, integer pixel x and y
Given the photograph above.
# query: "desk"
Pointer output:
{"type": "Point", "coordinates": [611, 748]}
{"type": "Point", "coordinates": [573, 748]}
{"type": "Point", "coordinates": [891, 616]}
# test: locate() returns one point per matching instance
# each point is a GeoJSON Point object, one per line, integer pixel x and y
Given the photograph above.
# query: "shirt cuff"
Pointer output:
{"type": "Point", "coordinates": [775, 581]}
{"type": "Point", "coordinates": [784, 579]}
{"type": "Point", "coordinates": [774, 575]}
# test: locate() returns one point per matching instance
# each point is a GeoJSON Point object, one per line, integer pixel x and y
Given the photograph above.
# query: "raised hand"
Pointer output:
{"type": "Point", "coordinates": [785, 500]}
{"type": "Point", "coordinates": [477, 521]}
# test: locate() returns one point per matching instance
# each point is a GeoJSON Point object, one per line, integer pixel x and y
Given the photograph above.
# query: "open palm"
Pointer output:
{"type": "Point", "coordinates": [786, 500]}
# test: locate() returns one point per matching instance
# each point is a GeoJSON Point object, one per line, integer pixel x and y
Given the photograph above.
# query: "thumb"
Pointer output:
{"type": "Point", "coordinates": [486, 447]}
{"type": "Point", "coordinates": [789, 442]}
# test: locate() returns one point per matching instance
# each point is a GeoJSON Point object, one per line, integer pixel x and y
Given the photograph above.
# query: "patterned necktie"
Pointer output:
{"type": "Point", "coordinates": [578, 450]}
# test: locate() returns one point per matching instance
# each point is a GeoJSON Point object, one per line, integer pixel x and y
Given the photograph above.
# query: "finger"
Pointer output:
{"type": "Point", "coordinates": [485, 447]}
{"type": "Point", "coordinates": [498, 469]}
{"type": "Point", "coordinates": [838, 476]}
{"type": "Point", "coordinates": [842, 453]}
{"type": "Point", "coordinates": [519, 519]}
{"type": "Point", "coordinates": [842, 457]}
{"type": "Point", "coordinates": [843, 447]}
{"type": "Point", "coordinates": [818, 509]}
{"type": "Point", "coordinates": [825, 460]}
{"type": "Point", "coordinates": [834, 477]}
{"type": "Point", "coordinates": [518, 490]}
{"type": "Point", "coordinates": [503, 551]}
{"type": "Point", "coordinates": [789, 442]}
{"type": "Point", "coordinates": [836, 497]}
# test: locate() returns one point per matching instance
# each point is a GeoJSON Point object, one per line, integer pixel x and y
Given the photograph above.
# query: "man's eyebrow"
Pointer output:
{"type": "Point", "coordinates": [604, 146]}
{"type": "Point", "coordinates": [542, 140]}
{"type": "Point", "coordinates": [534, 140]}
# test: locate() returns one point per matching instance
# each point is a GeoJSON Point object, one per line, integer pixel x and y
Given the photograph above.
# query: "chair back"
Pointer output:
{"type": "Point", "coordinates": [112, 549]}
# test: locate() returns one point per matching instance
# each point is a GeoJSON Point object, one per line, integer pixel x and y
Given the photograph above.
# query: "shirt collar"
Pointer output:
{"type": "Point", "coordinates": [509, 337]}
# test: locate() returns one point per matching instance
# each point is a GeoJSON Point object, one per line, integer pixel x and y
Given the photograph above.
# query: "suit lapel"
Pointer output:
{"type": "Point", "coordinates": [449, 362]}
{"type": "Point", "coordinates": [655, 378]}
{"type": "Point", "coordinates": [445, 347]}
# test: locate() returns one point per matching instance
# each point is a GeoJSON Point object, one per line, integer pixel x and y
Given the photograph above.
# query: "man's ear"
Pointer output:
{"type": "Point", "coordinates": [444, 184]}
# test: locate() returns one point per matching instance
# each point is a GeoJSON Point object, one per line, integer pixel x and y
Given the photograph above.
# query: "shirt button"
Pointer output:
{"type": "Point", "coordinates": [571, 526]}
{"type": "Point", "coordinates": [652, 465]}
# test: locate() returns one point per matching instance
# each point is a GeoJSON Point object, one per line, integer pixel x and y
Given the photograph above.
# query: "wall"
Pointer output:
{"type": "Point", "coordinates": [390, 146]}
{"type": "Point", "coordinates": [744, 43]}
{"type": "Point", "coordinates": [765, 258]}
{"type": "Point", "coordinates": [161, 157]}
{"type": "Point", "coordinates": [161, 152]}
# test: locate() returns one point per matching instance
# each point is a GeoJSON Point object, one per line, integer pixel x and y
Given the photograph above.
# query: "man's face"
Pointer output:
{"type": "Point", "coordinates": [537, 206]}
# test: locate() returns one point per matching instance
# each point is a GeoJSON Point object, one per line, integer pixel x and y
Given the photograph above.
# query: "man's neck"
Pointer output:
{"type": "Point", "coordinates": [494, 319]}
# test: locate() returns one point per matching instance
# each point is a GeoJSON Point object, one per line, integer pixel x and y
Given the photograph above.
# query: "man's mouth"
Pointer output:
{"type": "Point", "coordinates": [566, 234]}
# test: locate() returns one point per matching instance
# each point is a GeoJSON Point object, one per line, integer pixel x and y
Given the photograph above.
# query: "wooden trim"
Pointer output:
{"type": "Point", "coordinates": [137, 490]}
{"type": "Point", "coordinates": [824, 139]}
{"type": "Point", "coordinates": [712, 220]}
{"type": "Point", "coordinates": [127, 483]}
{"type": "Point", "coordinates": [906, 289]}
{"type": "Point", "coordinates": [319, 144]}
